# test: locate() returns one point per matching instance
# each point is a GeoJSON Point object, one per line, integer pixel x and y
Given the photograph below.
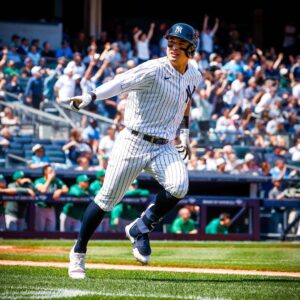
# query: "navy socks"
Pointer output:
{"type": "Point", "coordinates": [163, 203]}
{"type": "Point", "coordinates": [90, 221]}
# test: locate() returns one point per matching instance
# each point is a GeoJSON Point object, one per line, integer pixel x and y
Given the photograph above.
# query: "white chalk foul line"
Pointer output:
{"type": "Point", "coordinates": [152, 268]}
{"type": "Point", "coordinates": [47, 293]}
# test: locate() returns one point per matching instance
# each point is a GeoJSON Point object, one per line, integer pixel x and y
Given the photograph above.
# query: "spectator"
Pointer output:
{"type": "Point", "coordinates": [76, 65]}
{"type": "Point", "coordinates": [39, 158]}
{"type": "Point", "coordinates": [107, 142]}
{"type": "Point", "coordinates": [83, 164]}
{"type": "Point", "coordinates": [64, 87]}
{"type": "Point", "coordinates": [26, 69]}
{"type": "Point", "coordinates": [250, 165]}
{"type": "Point", "coordinates": [142, 41]}
{"type": "Point", "coordinates": [221, 165]}
{"type": "Point", "coordinates": [295, 151]}
{"type": "Point", "coordinates": [5, 137]}
{"type": "Point", "coordinates": [49, 82]}
{"type": "Point", "coordinates": [71, 215]}
{"type": "Point", "coordinates": [11, 69]}
{"type": "Point", "coordinates": [65, 50]}
{"type": "Point", "coordinates": [81, 43]}
{"type": "Point", "coordinates": [15, 211]}
{"type": "Point", "coordinates": [2, 218]}
{"type": "Point", "coordinates": [13, 86]}
{"type": "Point", "coordinates": [9, 119]}
{"type": "Point", "coordinates": [13, 55]}
{"type": "Point", "coordinates": [47, 52]}
{"type": "Point", "coordinates": [34, 55]}
{"type": "Point", "coordinates": [24, 47]}
{"type": "Point", "coordinates": [91, 134]}
{"type": "Point", "coordinates": [76, 147]}
{"type": "Point", "coordinates": [113, 56]}
{"type": "Point", "coordinates": [218, 225]}
{"type": "Point", "coordinates": [34, 89]}
{"type": "Point", "coordinates": [183, 223]}
{"type": "Point", "coordinates": [279, 171]}
{"type": "Point", "coordinates": [96, 185]}
{"type": "Point", "coordinates": [55, 187]}
{"type": "Point", "coordinates": [124, 213]}
{"type": "Point", "coordinates": [207, 36]}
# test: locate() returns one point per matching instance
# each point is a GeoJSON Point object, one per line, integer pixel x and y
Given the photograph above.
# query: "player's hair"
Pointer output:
{"type": "Point", "coordinates": [224, 216]}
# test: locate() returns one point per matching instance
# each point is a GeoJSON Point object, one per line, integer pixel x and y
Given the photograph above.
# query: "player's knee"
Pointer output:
{"type": "Point", "coordinates": [179, 191]}
{"type": "Point", "coordinates": [105, 205]}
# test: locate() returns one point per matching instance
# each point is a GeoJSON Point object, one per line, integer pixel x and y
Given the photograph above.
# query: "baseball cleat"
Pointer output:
{"type": "Point", "coordinates": [140, 243]}
{"type": "Point", "coordinates": [76, 265]}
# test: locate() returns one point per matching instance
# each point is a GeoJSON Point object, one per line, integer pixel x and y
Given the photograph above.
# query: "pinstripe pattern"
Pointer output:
{"type": "Point", "coordinates": [157, 97]}
{"type": "Point", "coordinates": [156, 103]}
{"type": "Point", "coordinates": [135, 155]}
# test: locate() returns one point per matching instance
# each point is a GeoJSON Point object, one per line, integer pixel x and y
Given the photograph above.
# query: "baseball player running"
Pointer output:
{"type": "Point", "coordinates": [158, 104]}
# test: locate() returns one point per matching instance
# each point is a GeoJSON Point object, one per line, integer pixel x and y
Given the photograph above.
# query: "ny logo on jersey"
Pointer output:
{"type": "Point", "coordinates": [189, 93]}
{"type": "Point", "coordinates": [178, 29]}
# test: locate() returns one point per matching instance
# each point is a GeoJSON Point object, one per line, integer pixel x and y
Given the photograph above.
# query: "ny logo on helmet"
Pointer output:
{"type": "Point", "coordinates": [178, 29]}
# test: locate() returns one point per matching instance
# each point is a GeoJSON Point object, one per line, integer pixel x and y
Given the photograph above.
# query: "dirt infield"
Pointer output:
{"type": "Point", "coordinates": [150, 268]}
{"type": "Point", "coordinates": [14, 249]}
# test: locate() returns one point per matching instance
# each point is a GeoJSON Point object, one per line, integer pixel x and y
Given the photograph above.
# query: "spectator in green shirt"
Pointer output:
{"type": "Point", "coordinates": [96, 185]}
{"type": "Point", "coordinates": [218, 225]}
{"type": "Point", "coordinates": [123, 213]}
{"type": "Point", "coordinates": [71, 215]}
{"type": "Point", "coordinates": [2, 187]}
{"type": "Point", "coordinates": [15, 211]}
{"type": "Point", "coordinates": [45, 212]}
{"type": "Point", "coordinates": [184, 223]}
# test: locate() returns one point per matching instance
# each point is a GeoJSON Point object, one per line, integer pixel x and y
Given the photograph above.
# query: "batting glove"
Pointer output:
{"type": "Point", "coordinates": [78, 102]}
{"type": "Point", "coordinates": [184, 147]}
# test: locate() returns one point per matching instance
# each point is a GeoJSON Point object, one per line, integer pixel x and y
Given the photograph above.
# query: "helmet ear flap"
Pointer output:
{"type": "Point", "coordinates": [190, 51]}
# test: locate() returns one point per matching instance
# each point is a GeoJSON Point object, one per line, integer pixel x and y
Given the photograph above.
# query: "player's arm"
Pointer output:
{"type": "Point", "coordinates": [184, 147]}
{"type": "Point", "coordinates": [104, 91]}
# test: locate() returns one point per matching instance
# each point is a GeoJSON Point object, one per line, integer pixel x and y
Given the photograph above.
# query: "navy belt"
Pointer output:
{"type": "Point", "coordinates": [150, 138]}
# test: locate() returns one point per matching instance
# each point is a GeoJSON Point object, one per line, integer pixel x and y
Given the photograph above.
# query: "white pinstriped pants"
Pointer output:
{"type": "Point", "coordinates": [130, 156]}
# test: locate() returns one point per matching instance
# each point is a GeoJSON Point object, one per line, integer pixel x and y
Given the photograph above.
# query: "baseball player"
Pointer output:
{"type": "Point", "coordinates": [158, 105]}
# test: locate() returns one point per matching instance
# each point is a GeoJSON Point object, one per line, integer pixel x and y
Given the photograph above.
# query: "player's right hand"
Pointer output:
{"type": "Point", "coordinates": [78, 102]}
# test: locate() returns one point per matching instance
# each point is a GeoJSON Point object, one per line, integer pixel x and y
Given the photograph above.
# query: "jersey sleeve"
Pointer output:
{"type": "Point", "coordinates": [138, 78]}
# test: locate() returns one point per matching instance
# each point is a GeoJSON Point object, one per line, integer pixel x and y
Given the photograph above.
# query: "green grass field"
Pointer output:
{"type": "Point", "coordinates": [23, 282]}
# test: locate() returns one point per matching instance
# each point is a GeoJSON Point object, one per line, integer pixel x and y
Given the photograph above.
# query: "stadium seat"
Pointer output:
{"type": "Point", "coordinates": [22, 139]}
{"type": "Point", "coordinates": [41, 141]}
{"type": "Point", "coordinates": [59, 142]}
{"type": "Point", "coordinates": [18, 152]}
{"type": "Point", "coordinates": [241, 151]}
{"type": "Point", "coordinates": [28, 153]}
{"type": "Point", "coordinates": [14, 145]}
{"type": "Point", "coordinates": [53, 147]}
{"type": "Point", "coordinates": [55, 153]}
{"type": "Point", "coordinates": [60, 160]}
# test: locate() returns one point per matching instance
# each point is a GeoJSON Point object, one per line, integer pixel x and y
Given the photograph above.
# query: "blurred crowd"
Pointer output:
{"type": "Point", "coordinates": [248, 97]}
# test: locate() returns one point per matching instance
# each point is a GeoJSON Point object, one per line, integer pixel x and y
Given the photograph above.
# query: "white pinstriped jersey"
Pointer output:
{"type": "Point", "coordinates": [158, 95]}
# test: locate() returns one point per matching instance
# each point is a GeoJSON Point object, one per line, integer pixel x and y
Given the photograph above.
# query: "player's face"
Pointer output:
{"type": "Point", "coordinates": [176, 50]}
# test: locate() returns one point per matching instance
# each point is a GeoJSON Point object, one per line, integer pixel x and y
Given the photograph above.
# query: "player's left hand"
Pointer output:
{"type": "Point", "coordinates": [184, 148]}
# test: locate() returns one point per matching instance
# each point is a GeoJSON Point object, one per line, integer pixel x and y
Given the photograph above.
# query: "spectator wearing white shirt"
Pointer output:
{"type": "Point", "coordinates": [142, 41]}
{"type": "Point", "coordinates": [64, 87]}
{"type": "Point", "coordinates": [295, 151]}
{"type": "Point", "coordinates": [77, 66]}
{"type": "Point", "coordinates": [107, 142]}
{"type": "Point", "coordinates": [207, 36]}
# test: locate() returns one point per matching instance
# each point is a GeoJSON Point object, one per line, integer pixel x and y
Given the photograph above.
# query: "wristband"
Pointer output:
{"type": "Point", "coordinates": [185, 123]}
{"type": "Point", "coordinates": [93, 95]}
